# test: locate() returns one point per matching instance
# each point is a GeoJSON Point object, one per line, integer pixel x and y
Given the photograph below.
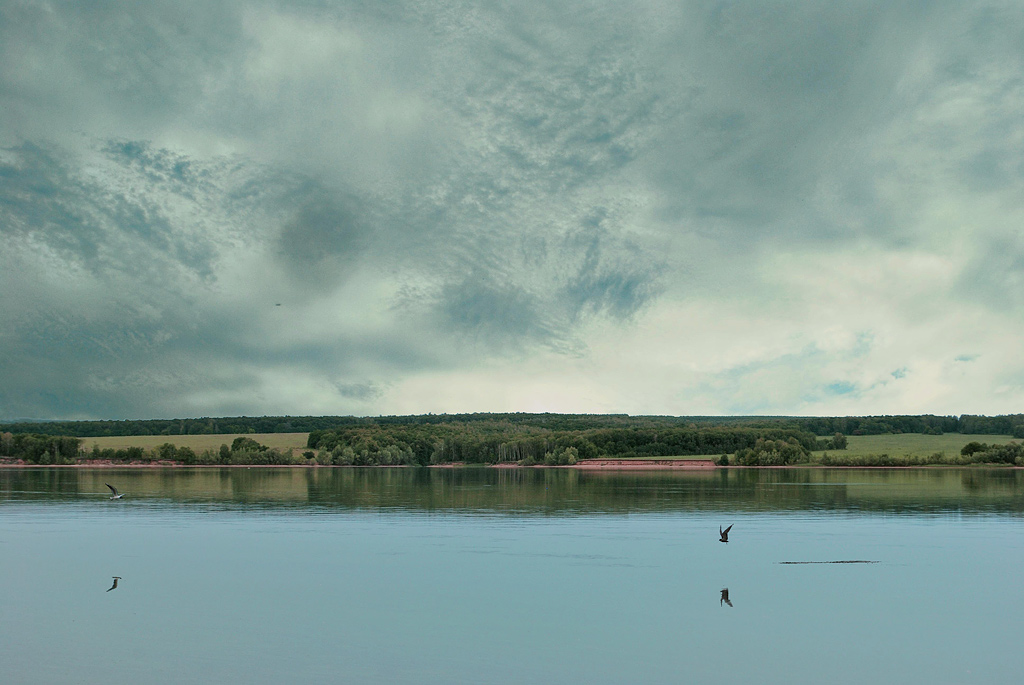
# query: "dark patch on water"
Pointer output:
{"type": "Point", "coordinates": [844, 561]}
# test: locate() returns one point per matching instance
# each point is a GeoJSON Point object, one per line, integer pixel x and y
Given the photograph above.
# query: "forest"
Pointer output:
{"type": "Point", "coordinates": [1008, 424]}
{"type": "Point", "coordinates": [483, 438]}
{"type": "Point", "coordinates": [500, 441]}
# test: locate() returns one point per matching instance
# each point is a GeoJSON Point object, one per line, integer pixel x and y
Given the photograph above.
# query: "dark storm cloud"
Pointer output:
{"type": "Point", "coordinates": [612, 277]}
{"type": "Point", "coordinates": [500, 315]}
{"type": "Point", "coordinates": [360, 391]}
{"type": "Point", "coordinates": [322, 238]}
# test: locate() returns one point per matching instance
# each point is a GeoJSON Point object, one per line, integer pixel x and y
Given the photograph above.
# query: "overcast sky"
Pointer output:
{"type": "Point", "coordinates": [225, 208]}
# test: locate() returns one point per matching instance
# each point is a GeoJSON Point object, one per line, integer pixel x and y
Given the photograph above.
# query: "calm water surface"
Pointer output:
{"type": "Point", "coordinates": [530, 576]}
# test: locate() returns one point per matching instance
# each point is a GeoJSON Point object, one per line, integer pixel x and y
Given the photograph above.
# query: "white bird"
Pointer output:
{"type": "Point", "coordinates": [116, 495]}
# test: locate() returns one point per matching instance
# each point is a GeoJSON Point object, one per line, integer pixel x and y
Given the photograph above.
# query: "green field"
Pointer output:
{"type": "Point", "coordinates": [913, 444]}
{"type": "Point", "coordinates": [199, 443]}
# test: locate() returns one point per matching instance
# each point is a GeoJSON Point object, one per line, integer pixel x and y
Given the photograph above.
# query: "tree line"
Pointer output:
{"type": "Point", "coordinates": [1008, 424]}
{"type": "Point", "coordinates": [502, 441]}
{"type": "Point", "coordinates": [33, 448]}
{"type": "Point", "coordinates": [195, 426]}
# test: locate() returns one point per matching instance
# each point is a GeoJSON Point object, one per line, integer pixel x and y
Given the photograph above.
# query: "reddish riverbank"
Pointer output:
{"type": "Point", "coordinates": [644, 464]}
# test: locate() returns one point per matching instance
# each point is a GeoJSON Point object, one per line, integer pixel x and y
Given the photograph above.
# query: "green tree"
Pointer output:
{"type": "Point", "coordinates": [972, 447]}
{"type": "Point", "coordinates": [242, 444]}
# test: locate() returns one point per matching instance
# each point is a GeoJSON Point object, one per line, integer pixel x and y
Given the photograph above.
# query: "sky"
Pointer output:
{"type": "Point", "coordinates": [221, 208]}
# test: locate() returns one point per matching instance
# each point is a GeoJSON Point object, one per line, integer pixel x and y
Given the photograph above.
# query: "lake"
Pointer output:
{"type": "Point", "coordinates": [271, 575]}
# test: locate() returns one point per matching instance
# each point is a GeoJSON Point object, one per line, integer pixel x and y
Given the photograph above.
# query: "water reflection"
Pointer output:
{"type": "Point", "coordinates": [478, 575]}
{"type": "Point", "coordinates": [539, 491]}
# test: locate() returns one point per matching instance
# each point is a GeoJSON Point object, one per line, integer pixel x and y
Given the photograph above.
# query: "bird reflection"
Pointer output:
{"type": "Point", "coordinates": [114, 491]}
{"type": "Point", "coordinates": [724, 533]}
{"type": "Point", "coordinates": [724, 598]}
{"type": "Point", "coordinates": [117, 578]}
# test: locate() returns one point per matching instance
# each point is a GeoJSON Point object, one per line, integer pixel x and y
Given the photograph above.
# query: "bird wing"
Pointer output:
{"type": "Point", "coordinates": [726, 531]}
{"type": "Point", "coordinates": [112, 488]}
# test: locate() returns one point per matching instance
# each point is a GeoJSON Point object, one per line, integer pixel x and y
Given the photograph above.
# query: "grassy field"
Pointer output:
{"type": "Point", "coordinates": [199, 443]}
{"type": "Point", "coordinates": [913, 444]}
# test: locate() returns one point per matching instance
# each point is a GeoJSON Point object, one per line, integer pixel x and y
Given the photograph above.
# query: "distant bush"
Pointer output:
{"type": "Point", "coordinates": [209, 457]}
{"type": "Point", "coordinates": [242, 444]}
{"type": "Point", "coordinates": [1010, 453]}
{"type": "Point", "coordinates": [836, 442]}
{"type": "Point", "coordinates": [567, 457]}
{"type": "Point", "coordinates": [972, 447]}
{"type": "Point", "coordinates": [40, 449]}
{"type": "Point", "coordinates": [772, 453]}
{"type": "Point", "coordinates": [392, 455]}
{"type": "Point", "coordinates": [881, 460]}
{"type": "Point", "coordinates": [263, 457]}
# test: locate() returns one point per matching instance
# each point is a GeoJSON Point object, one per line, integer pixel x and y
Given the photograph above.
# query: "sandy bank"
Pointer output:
{"type": "Point", "coordinates": [643, 464]}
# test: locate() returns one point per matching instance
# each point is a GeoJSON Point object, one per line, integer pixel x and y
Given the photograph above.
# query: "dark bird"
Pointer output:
{"type": "Point", "coordinates": [116, 495]}
{"type": "Point", "coordinates": [725, 596]}
{"type": "Point", "coordinates": [724, 533]}
{"type": "Point", "coordinates": [117, 578]}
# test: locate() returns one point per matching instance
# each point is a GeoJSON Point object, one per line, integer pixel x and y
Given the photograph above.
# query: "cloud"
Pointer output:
{"type": "Point", "coordinates": [697, 208]}
{"type": "Point", "coordinates": [360, 391]}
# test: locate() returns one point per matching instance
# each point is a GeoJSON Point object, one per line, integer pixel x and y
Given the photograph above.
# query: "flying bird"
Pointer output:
{"type": "Point", "coordinates": [117, 578]}
{"type": "Point", "coordinates": [725, 596]}
{"type": "Point", "coordinates": [116, 495]}
{"type": "Point", "coordinates": [724, 533]}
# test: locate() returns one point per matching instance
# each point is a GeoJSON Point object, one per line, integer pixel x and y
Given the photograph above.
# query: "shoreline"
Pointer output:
{"type": "Point", "coordinates": [589, 465]}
